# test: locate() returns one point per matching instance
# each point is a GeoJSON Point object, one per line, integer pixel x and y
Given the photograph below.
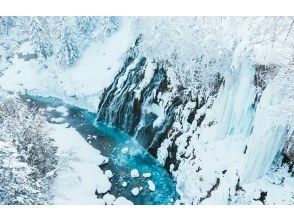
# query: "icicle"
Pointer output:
{"type": "Point", "coordinates": [234, 104]}
{"type": "Point", "coordinates": [273, 123]}
{"type": "Point", "coordinates": [263, 147]}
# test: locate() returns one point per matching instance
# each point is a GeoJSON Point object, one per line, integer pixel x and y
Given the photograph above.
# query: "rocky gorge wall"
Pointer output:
{"type": "Point", "coordinates": [211, 142]}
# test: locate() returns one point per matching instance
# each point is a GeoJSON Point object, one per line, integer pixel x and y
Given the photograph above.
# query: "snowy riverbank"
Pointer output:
{"type": "Point", "coordinates": [81, 84]}
{"type": "Point", "coordinates": [79, 174]}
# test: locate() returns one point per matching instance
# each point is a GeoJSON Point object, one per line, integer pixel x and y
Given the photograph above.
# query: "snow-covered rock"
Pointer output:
{"type": "Point", "coordinates": [151, 185]}
{"type": "Point", "coordinates": [49, 109]}
{"type": "Point", "coordinates": [109, 199]}
{"type": "Point", "coordinates": [108, 173]}
{"type": "Point", "coordinates": [62, 110]}
{"type": "Point", "coordinates": [135, 173]}
{"type": "Point", "coordinates": [125, 150]}
{"type": "Point", "coordinates": [122, 201]}
{"type": "Point", "coordinates": [146, 175]}
{"type": "Point", "coordinates": [57, 120]}
{"type": "Point", "coordinates": [102, 160]}
{"type": "Point", "coordinates": [135, 191]}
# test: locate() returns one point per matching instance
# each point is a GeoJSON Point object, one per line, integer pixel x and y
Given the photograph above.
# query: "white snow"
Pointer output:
{"type": "Point", "coordinates": [135, 173]}
{"type": "Point", "coordinates": [78, 175]}
{"type": "Point", "coordinates": [49, 109]}
{"type": "Point", "coordinates": [147, 78]}
{"type": "Point", "coordinates": [151, 185]}
{"type": "Point", "coordinates": [211, 156]}
{"type": "Point", "coordinates": [109, 199]}
{"type": "Point", "coordinates": [100, 202]}
{"type": "Point", "coordinates": [57, 120]}
{"type": "Point", "coordinates": [62, 110]}
{"type": "Point", "coordinates": [122, 201]}
{"type": "Point", "coordinates": [146, 175]}
{"type": "Point", "coordinates": [135, 191]}
{"type": "Point", "coordinates": [125, 150]}
{"type": "Point", "coordinates": [108, 173]}
{"type": "Point", "coordinates": [274, 119]}
{"type": "Point", "coordinates": [80, 85]}
{"type": "Point", "coordinates": [26, 48]}
{"type": "Point", "coordinates": [98, 66]}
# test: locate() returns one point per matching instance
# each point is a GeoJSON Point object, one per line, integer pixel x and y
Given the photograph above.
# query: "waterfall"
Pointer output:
{"type": "Point", "coordinates": [235, 104]}
{"type": "Point", "coordinates": [142, 102]}
{"type": "Point", "coordinates": [135, 103]}
{"type": "Point", "coordinates": [271, 129]}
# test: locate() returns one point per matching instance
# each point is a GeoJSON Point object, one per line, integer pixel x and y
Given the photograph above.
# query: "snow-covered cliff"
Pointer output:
{"type": "Point", "coordinates": [211, 98]}
{"type": "Point", "coordinates": [225, 142]}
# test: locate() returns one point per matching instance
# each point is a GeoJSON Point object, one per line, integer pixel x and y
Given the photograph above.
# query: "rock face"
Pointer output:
{"type": "Point", "coordinates": [192, 131]}
{"type": "Point", "coordinates": [27, 57]}
{"type": "Point", "coordinates": [144, 102]}
{"type": "Point", "coordinates": [131, 101]}
{"type": "Point", "coordinates": [290, 148]}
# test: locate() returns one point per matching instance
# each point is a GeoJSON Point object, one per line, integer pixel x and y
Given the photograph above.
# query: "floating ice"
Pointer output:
{"type": "Point", "coordinates": [124, 184]}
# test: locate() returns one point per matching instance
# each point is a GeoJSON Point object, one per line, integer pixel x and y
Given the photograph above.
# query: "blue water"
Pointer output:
{"type": "Point", "coordinates": [138, 158]}
{"type": "Point", "coordinates": [110, 141]}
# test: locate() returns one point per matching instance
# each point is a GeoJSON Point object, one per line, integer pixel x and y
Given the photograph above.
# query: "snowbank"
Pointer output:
{"type": "Point", "coordinates": [80, 85]}
{"type": "Point", "coordinates": [122, 201]}
{"type": "Point", "coordinates": [78, 175]}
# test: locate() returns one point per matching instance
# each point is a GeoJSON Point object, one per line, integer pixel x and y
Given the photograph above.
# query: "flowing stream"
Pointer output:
{"type": "Point", "coordinates": [124, 153]}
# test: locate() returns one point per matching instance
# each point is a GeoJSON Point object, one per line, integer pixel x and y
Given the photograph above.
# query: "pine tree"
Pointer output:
{"type": "Point", "coordinates": [6, 23]}
{"type": "Point", "coordinates": [40, 37]}
{"type": "Point", "coordinates": [68, 51]}
{"type": "Point", "coordinates": [106, 26]}
{"type": "Point", "coordinates": [87, 24]}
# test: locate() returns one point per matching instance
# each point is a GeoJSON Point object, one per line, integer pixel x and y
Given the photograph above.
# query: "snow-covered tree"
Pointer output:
{"type": "Point", "coordinates": [200, 49]}
{"type": "Point", "coordinates": [27, 154]}
{"type": "Point", "coordinates": [87, 24]}
{"type": "Point", "coordinates": [105, 27]}
{"type": "Point", "coordinates": [26, 129]}
{"type": "Point", "coordinates": [39, 36]}
{"type": "Point", "coordinates": [68, 51]}
{"type": "Point", "coordinates": [6, 23]}
{"type": "Point", "coordinates": [17, 187]}
{"type": "Point", "coordinates": [63, 38]}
